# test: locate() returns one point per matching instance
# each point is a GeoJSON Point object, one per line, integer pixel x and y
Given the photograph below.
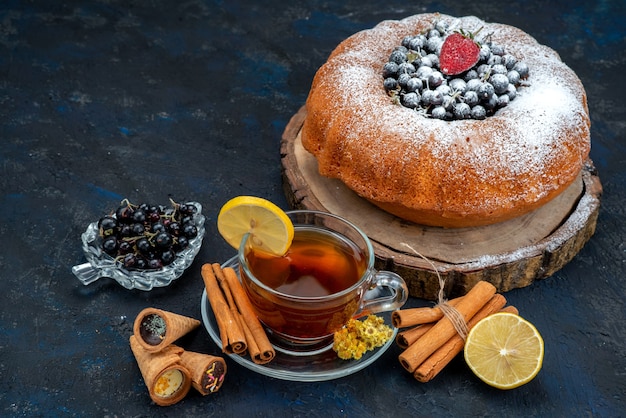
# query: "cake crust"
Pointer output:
{"type": "Point", "coordinates": [459, 173]}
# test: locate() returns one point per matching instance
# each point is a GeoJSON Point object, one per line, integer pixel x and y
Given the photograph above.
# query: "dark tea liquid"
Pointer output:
{"type": "Point", "coordinates": [318, 263]}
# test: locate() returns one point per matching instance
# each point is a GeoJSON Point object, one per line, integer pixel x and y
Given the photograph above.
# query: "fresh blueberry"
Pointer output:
{"type": "Point", "coordinates": [411, 100]}
{"type": "Point", "coordinates": [448, 102]}
{"type": "Point", "coordinates": [498, 69]}
{"type": "Point", "coordinates": [403, 79]}
{"type": "Point", "coordinates": [491, 102]}
{"type": "Point", "coordinates": [434, 44]}
{"type": "Point", "coordinates": [494, 60]}
{"type": "Point", "coordinates": [406, 67]}
{"type": "Point", "coordinates": [414, 84]}
{"type": "Point", "coordinates": [509, 61]}
{"type": "Point", "coordinates": [439, 112]}
{"type": "Point", "coordinates": [470, 97]}
{"type": "Point", "coordinates": [474, 84]}
{"type": "Point", "coordinates": [426, 62]}
{"type": "Point", "coordinates": [427, 96]}
{"type": "Point", "coordinates": [417, 42]}
{"type": "Point", "coordinates": [458, 84]}
{"type": "Point", "coordinates": [461, 110]}
{"type": "Point", "coordinates": [513, 77]}
{"type": "Point", "coordinates": [444, 89]}
{"type": "Point", "coordinates": [497, 49]}
{"type": "Point", "coordinates": [471, 75]}
{"type": "Point", "coordinates": [503, 100]}
{"type": "Point", "coordinates": [478, 112]}
{"type": "Point", "coordinates": [483, 70]}
{"type": "Point", "coordinates": [436, 98]}
{"type": "Point", "coordinates": [435, 79]}
{"type": "Point", "coordinates": [434, 59]}
{"type": "Point", "coordinates": [401, 48]}
{"type": "Point", "coordinates": [424, 72]}
{"type": "Point", "coordinates": [390, 83]}
{"type": "Point", "coordinates": [485, 91]}
{"type": "Point", "coordinates": [522, 69]}
{"type": "Point", "coordinates": [398, 57]}
{"type": "Point", "coordinates": [433, 33]}
{"type": "Point", "coordinates": [511, 91]}
{"type": "Point", "coordinates": [390, 69]}
{"type": "Point", "coordinates": [485, 53]}
{"type": "Point", "coordinates": [500, 83]}
{"type": "Point", "coordinates": [441, 26]}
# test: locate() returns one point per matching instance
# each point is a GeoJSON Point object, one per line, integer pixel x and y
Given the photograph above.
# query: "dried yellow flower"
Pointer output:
{"type": "Point", "coordinates": [358, 337]}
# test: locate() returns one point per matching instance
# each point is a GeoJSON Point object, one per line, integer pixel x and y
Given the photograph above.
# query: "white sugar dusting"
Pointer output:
{"type": "Point", "coordinates": [517, 143]}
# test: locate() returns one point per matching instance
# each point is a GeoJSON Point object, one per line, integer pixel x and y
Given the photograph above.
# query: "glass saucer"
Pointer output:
{"type": "Point", "coordinates": [317, 366]}
{"type": "Point", "coordinates": [100, 264]}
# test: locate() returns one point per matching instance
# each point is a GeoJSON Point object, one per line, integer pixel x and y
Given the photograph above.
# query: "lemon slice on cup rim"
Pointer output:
{"type": "Point", "coordinates": [504, 350]}
{"type": "Point", "coordinates": [270, 229]}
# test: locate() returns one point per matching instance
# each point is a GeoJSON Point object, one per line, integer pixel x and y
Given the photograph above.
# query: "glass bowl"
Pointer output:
{"type": "Point", "coordinates": [100, 264]}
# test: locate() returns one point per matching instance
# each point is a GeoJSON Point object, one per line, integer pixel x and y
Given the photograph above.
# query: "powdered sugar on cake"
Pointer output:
{"type": "Point", "coordinates": [522, 141]}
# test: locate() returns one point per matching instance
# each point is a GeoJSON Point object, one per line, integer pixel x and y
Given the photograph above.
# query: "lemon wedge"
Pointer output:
{"type": "Point", "coordinates": [504, 350]}
{"type": "Point", "coordinates": [271, 231]}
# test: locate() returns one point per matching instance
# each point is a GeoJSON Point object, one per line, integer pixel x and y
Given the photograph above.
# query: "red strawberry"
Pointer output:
{"type": "Point", "coordinates": [459, 53]}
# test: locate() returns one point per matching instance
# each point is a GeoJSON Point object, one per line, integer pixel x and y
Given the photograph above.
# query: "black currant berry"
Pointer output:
{"type": "Point", "coordinates": [143, 245]}
{"type": "Point", "coordinates": [154, 263]}
{"type": "Point", "coordinates": [107, 225]}
{"type": "Point", "coordinates": [174, 228]}
{"type": "Point", "coordinates": [157, 227]}
{"type": "Point", "coordinates": [168, 256]}
{"type": "Point", "coordinates": [125, 231]}
{"type": "Point", "coordinates": [163, 240]}
{"type": "Point", "coordinates": [130, 260]}
{"type": "Point", "coordinates": [180, 244]}
{"type": "Point", "coordinates": [125, 247]}
{"type": "Point", "coordinates": [139, 216]}
{"type": "Point", "coordinates": [109, 245]}
{"type": "Point", "coordinates": [190, 230]}
{"type": "Point", "coordinates": [137, 229]}
{"type": "Point", "coordinates": [124, 214]}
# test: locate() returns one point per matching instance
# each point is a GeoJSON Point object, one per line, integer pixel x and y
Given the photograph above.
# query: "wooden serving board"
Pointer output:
{"type": "Point", "coordinates": [509, 254]}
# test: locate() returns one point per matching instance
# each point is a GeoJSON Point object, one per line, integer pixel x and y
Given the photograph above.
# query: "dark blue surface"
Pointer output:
{"type": "Point", "coordinates": [150, 100]}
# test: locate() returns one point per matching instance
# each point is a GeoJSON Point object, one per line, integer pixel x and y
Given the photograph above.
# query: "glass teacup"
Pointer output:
{"type": "Point", "coordinates": [326, 278]}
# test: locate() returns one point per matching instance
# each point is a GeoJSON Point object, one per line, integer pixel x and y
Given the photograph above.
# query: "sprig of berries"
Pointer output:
{"type": "Point", "coordinates": [147, 237]}
{"type": "Point", "coordinates": [463, 80]}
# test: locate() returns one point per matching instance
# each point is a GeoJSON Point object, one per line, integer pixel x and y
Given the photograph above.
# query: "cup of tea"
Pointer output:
{"type": "Point", "coordinates": [326, 277]}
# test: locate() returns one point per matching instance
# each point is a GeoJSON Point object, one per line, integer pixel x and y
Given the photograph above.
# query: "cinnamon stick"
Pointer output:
{"type": "Point", "coordinates": [510, 309]}
{"type": "Point", "coordinates": [443, 329]}
{"type": "Point", "coordinates": [404, 318]}
{"type": "Point", "coordinates": [253, 347]}
{"type": "Point", "coordinates": [266, 352]}
{"type": "Point", "coordinates": [449, 350]}
{"type": "Point", "coordinates": [219, 275]}
{"type": "Point", "coordinates": [405, 338]}
{"type": "Point", "coordinates": [233, 338]}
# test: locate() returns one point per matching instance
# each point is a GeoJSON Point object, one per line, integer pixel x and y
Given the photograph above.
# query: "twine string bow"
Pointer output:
{"type": "Point", "coordinates": [454, 316]}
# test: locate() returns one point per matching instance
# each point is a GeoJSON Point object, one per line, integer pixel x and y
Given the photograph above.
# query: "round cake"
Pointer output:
{"type": "Point", "coordinates": [436, 161]}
